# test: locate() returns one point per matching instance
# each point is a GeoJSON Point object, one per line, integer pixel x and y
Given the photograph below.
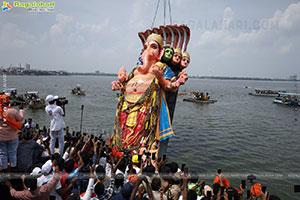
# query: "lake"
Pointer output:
{"type": "Point", "coordinates": [242, 134]}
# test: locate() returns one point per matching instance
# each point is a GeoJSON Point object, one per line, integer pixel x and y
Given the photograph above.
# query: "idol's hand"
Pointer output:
{"type": "Point", "coordinates": [157, 71]}
{"type": "Point", "coordinates": [122, 74]}
{"type": "Point", "coordinates": [115, 85]}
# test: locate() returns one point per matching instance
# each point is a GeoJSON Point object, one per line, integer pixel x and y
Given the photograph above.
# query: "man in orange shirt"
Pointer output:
{"type": "Point", "coordinates": [10, 124]}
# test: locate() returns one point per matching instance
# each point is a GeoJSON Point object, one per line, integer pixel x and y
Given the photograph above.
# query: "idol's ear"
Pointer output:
{"type": "Point", "coordinates": [162, 51]}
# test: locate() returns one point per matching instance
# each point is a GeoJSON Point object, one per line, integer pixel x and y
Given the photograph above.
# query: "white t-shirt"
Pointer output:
{"type": "Point", "coordinates": [32, 125]}
{"type": "Point", "coordinates": [46, 179]}
{"type": "Point", "coordinates": [56, 113]}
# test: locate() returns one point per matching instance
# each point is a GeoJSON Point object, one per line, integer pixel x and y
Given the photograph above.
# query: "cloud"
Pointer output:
{"type": "Point", "coordinates": [274, 38]}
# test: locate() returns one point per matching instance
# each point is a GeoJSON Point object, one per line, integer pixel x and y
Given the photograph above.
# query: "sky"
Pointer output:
{"type": "Point", "coordinates": [236, 38]}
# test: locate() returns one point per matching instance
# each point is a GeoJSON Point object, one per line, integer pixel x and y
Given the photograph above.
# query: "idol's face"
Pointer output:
{"type": "Point", "coordinates": [185, 61]}
{"type": "Point", "coordinates": [151, 49]}
{"type": "Point", "coordinates": [168, 54]}
{"type": "Point", "coordinates": [176, 59]}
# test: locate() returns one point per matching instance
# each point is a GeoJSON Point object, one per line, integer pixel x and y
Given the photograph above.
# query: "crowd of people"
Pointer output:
{"type": "Point", "coordinates": [88, 168]}
{"type": "Point", "coordinates": [201, 96]}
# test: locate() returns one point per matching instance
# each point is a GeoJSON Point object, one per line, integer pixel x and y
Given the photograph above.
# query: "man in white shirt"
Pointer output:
{"type": "Point", "coordinates": [57, 124]}
{"type": "Point", "coordinates": [30, 124]}
{"type": "Point", "coordinates": [47, 176]}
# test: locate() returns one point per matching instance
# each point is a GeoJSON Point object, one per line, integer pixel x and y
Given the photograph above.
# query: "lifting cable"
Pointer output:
{"type": "Point", "coordinates": [165, 1]}
{"type": "Point", "coordinates": [170, 12]}
{"type": "Point", "coordinates": [165, 8]}
{"type": "Point", "coordinates": [155, 13]}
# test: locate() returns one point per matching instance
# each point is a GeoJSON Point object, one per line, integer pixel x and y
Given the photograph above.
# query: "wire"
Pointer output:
{"type": "Point", "coordinates": [165, 5]}
{"type": "Point", "coordinates": [155, 13]}
{"type": "Point", "coordinates": [170, 12]}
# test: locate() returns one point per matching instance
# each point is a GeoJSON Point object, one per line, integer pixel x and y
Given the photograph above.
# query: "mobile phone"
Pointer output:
{"type": "Point", "coordinates": [229, 192]}
{"type": "Point", "coordinates": [140, 158]}
{"type": "Point", "coordinates": [263, 189]}
{"type": "Point", "coordinates": [182, 167]}
{"type": "Point", "coordinates": [92, 136]}
{"type": "Point", "coordinates": [219, 171]}
{"type": "Point", "coordinates": [186, 171]}
{"type": "Point", "coordinates": [164, 157]}
{"type": "Point", "coordinates": [222, 190]}
{"type": "Point", "coordinates": [296, 188]}
{"type": "Point", "coordinates": [248, 194]}
{"type": "Point", "coordinates": [208, 194]}
{"type": "Point", "coordinates": [153, 156]}
{"type": "Point", "coordinates": [243, 182]}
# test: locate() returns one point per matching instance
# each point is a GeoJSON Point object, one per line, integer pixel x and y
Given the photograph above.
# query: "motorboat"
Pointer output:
{"type": "Point", "coordinates": [266, 92]}
{"type": "Point", "coordinates": [78, 91]}
{"type": "Point", "coordinates": [33, 101]}
{"type": "Point", "coordinates": [203, 101]}
{"type": "Point", "coordinates": [287, 99]}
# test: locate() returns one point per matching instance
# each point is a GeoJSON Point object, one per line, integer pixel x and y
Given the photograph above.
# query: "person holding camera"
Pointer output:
{"type": "Point", "coordinates": [57, 123]}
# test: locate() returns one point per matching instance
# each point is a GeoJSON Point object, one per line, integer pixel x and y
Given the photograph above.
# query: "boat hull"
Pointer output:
{"type": "Point", "coordinates": [263, 95]}
{"type": "Point", "coordinates": [202, 101]}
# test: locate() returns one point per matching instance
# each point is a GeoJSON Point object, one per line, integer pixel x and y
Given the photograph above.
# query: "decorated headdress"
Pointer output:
{"type": "Point", "coordinates": [177, 50]}
{"type": "Point", "coordinates": [176, 36]}
{"type": "Point", "coordinates": [157, 38]}
{"type": "Point", "coordinates": [186, 54]}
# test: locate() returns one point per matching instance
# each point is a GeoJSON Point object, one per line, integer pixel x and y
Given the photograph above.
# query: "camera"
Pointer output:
{"type": "Point", "coordinates": [251, 177]}
{"type": "Point", "coordinates": [61, 101]}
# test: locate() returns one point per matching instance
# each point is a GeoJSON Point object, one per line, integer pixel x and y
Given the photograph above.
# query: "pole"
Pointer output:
{"type": "Point", "coordinates": [82, 107]}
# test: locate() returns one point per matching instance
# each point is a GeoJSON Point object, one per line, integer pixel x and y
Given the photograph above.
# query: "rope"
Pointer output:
{"type": "Point", "coordinates": [165, 3]}
{"type": "Point", "coordinates": [155, 13]}
{"type": "Point", "coordinates": [170, 12]}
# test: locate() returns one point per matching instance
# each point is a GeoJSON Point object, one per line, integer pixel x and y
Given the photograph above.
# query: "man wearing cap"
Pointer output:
{"type": "Point", "coordinates": [57, 123]}
{"type": "Point", "coordinates": [47, 176]}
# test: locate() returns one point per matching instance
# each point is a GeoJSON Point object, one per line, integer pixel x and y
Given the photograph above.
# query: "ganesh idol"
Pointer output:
{"type": "Point", "coordinates": [142, 116]}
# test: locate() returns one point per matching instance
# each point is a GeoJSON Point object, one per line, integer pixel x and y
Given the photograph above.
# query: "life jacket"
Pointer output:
{"type": "Point", "coordinates": [15, 125]}
{"type": "Point", "coordinates": [255, 189]}
{"type": "Point", "coordinates": [224, 180]}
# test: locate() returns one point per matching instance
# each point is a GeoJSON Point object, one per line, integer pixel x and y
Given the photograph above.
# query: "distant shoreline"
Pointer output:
{"type": "Point", "coordinates": [193, 77]}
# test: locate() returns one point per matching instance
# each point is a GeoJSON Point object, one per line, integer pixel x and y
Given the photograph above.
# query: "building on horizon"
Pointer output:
{"type": "Point", "coordinates": [293, 77]}
{"type": "Point", "coordinates": [27, 67]}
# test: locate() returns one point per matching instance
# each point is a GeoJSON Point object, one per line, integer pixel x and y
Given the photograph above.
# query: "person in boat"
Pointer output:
{"type": "Point", "coordinates": [142, 115]}
{"type": "Point", "coordinates": [207, 95]}
{"type": "Point", "coordinates": [197, 95]}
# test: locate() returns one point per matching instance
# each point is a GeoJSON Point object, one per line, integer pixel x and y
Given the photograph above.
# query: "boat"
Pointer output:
{"type": "Point", "coordinates": [14, 98]}
{"type": "Point", "coordinates": [266, 92]}
{"type": "Point", "coordinates": [33, 101]}
{"type": "Point", "coordinates": [78, 91]}
{"type": "Point", "coordinates": [287, 99]}
{"type": "Point", "coordinates": [203, 101]}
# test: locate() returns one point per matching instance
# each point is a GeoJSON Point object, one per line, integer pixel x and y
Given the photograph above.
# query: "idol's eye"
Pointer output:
{"type": "Point", "coordinates": [154, 46]}
{"type": "Point", "coordinates": [186, 60]}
